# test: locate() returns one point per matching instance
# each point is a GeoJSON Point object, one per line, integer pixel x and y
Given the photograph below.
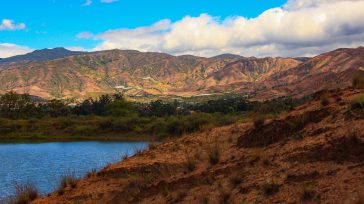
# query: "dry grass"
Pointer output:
{"type": "Point", "coordinates": [68, 180]}
{"type": "Point", "coordinates": [213, 153]}
{"type": "Point", "coordinates": [191, 161]}
{"type": "Point", "coordinates": [235, 179]}
{"type": "Point", "coordinates": [358, 81]}
{"type": "Point", "coordinates": [24, 194]}
{"type": "Point", "coordinates": [307, 193]}
{"type": "Point", "coordinates": [270, 188]}
{"type": "Point", "coordinates": [259, 121]}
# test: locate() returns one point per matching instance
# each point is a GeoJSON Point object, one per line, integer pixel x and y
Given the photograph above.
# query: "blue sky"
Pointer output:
{"type": "Point", "coordinates": [54, 23]}
{"type": "Point", "coordinates": [246, 27]}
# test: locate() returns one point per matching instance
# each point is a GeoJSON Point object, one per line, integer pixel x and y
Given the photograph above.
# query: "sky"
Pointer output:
{"type": "Point", "coordinates": [259, 28]}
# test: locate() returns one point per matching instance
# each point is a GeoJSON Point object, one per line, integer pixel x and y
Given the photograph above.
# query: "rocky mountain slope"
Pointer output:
{"type": "Point", "coordinates": [40, 55]}
{"type": "Point", "coordinates": [313, 154]}
{"type": "Point", "coordinates": [89, 74]}
{"type": "Point", "coordinates": [327, 71]}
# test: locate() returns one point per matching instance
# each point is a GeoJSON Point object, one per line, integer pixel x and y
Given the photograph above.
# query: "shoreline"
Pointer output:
{"type": "Point", "coordinates": [78, 139]}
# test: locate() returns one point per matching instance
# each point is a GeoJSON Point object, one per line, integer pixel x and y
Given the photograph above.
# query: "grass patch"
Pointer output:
{"type": "Point", "coordinates": [270, 188]}
{"type": "Point", "coordinates": [358, 81]}
{"type": "Point", "coordinates": [67, 180]}
{"type": "Point", "coordinates": [358, 103]}
{"type": "Point", "coordinates": [213, 153]}
{"type": "Point", "coordinates": [259, 121]}
{"type": "Point", "coordinates": [191, 162]}
{"type": "Point", "coordinates": [24, 194]}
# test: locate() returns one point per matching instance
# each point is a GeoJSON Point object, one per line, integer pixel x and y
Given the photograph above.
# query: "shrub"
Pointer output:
{"type": "Point", "coordinates": [213, 154]}
{"type": "Point", "coordinates": [190, 162]}
{"type": "Point", "coordinates": [358, 81]}
{"type": "Point", "coordinates": [270, 188]}
{"type": "Point", "coordinates": [106, 125]}
{"type": "Point", "coordinates": [68, 180]}
{"type": "Point", "coordinates": [235, 180]}
{"type": "Point", "coordinates": [90, 173]}
{"type": "Point", "coordinates": [358, 103]}
{"type": "Point", "coordinates": [258, 121]}
{"type": "Point", "coordinates": [180, 196]}
{"type": "Point", "coordinates": [324, 100]}
{"type": "Point", "coordinates": [307, 194]}
{"type": "Point", "coordinates": [152, 145]}
{"type": "Point", "coordinates": [24, 194]}
{"type": "Point", "coordinates": [224, 195]}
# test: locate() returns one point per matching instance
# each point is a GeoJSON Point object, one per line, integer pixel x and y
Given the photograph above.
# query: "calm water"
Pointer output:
{"type": "Point", "coordinates": [43, 164]}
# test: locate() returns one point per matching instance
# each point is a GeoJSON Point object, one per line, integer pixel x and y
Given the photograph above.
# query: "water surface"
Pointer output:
{"type": "Point", "coordinates": [43, 164]}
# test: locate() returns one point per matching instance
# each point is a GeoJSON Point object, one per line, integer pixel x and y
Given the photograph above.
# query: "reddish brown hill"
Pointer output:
{"type": "Point", "coordinates": [91, 74]}
{"type": "Point", "coordinates": [314, 154]}
{"type": "Point", "coordinates": [327, 71]}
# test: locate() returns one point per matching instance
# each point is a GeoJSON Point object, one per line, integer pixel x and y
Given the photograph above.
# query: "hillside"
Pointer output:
{"type": "Point", "coordinates": [327, 71]}
{"type": "Point", "coordinates": [40, 55]}
{"type": "Point", "coordinates": [312, 154]}
{"type": "Point", "coordinates": [136, 73]}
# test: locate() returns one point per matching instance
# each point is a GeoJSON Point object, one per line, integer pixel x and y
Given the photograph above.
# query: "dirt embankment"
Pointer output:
{"type": "Point", "coordinates": [313, 154]}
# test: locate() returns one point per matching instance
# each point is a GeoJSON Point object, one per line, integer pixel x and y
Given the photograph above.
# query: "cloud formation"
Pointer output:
{"type": "Point", "coordinates": [8, 50]}
{"type": "Point", "coordinates": [299, 28]}
{"type": "Point", "coordinates": [89, 2]}
{"type": "Point", "coordinates": [108, 1]}
{"type": "Point", "coordinates": [8, 24]}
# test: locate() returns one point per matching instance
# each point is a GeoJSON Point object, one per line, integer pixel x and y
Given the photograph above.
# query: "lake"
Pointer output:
{"type": "Point", "coordinates": [43, 164]}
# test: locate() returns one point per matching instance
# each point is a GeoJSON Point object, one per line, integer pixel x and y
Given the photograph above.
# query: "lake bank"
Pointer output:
{"type": "Point", "coordinates": [44, 164]}
{"type": "Point", "coordinates": [86, 128]}
{"type": "Point", "coordinates": [31, 139]}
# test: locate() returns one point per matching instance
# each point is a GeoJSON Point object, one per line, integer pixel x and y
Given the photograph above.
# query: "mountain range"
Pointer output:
{"type": "Point", "coordinates": [60, 73]}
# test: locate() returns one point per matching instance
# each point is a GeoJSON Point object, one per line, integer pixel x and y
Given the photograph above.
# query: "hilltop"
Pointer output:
{"type": "Point", "coordinates": [82, 75]}
{"type": "Point", "coordinates": [40, 55]}
{"type": "Point", "coordinates": [313, 154]}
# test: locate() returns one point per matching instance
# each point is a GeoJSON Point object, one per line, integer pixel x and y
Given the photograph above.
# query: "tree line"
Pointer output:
{"type": "Point", "coordinates": [21, 106]}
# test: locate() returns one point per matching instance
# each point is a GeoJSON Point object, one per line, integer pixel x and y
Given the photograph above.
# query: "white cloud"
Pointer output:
{"type": "Point", "coordinates": [85, 35]}
{"type": "Point", "coordinates": [8, 50]}
{"type": "Point", "coordinates": [300, 4]}
{"type": "Point", "coordinates": [142, 38]}
{"type": "Point", "coordinates": [76, 49]}
{"type": "Point", "coordinates": [299, 28]}
{"type": "Point", "coordinates": [8, 24]}
{"type": "Point", "coordinates": [87, 3]}
{"type": "Point", "coordinates": [108, 1]}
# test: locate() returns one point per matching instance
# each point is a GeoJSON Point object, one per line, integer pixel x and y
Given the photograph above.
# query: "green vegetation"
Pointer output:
{"type": "Point", "coordinates": [324, 100]}
{"type": "Point", "coordinates": [358, 103]}
{"type": "Point", "coordinates": [115, 118]}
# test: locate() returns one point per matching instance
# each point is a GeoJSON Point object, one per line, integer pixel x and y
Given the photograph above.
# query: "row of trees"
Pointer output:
{"type": "Point", "coordinates": [17, 106]}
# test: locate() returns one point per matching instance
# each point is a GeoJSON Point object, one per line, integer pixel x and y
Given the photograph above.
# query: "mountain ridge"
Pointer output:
{"type": "Point", "coordinates": [40, 55]}
{"type": "Point", "coordinates": [90, 74]}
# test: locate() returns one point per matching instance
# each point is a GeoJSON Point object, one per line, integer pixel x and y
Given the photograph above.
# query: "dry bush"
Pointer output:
{"type": "Point", "coordinates": [68, 180]}
{"type": "Point", "coordinates": [24, 194]}
{"type": "Point", "coordinates": [224, 195]}
{"type": "Point", "coordinates": [213, 153]}
{"type": "Point", "coordinates": [307, 193]}
{"type": "Point", "coordinates": [235, 179]}
{"type": "Point", "coordinates": [259, 121]}
{"type": "Point", "coordinates": [324, 100]}
{"type": "Point", "coordinates": [270, 188]}
{"type": "Point", "coordinates": [191, 161]}
{"type": "Point", "coordinates": [358, 81]}
{"type": "Point", "coordinates": [358, 103]}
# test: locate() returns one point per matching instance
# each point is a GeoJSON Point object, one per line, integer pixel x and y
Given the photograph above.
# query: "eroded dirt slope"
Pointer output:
{"type": "Point", "coordinates": [313, 154]}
